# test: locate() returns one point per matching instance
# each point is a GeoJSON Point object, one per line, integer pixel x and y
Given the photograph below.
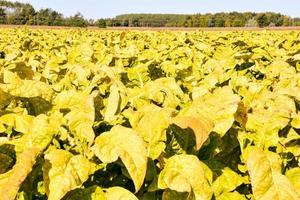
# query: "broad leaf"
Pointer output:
{"type": "Point", "coordinates": [25, 88]}
{"type": "Point", "coordinates": [231, 196]}
{"type": "Point", "coordinates": [64, 171]}
{"type": "Point", "coordinates": [96, 193]}
{"type": "Point", "coordinates": [113, 103]}
{"type": "Point", "coordinates": [7, 157]}
{"type": "Point", "coordinates": [5, 98]}
{"type": "Point", "coordinates": [266, 179]}
{"type": "Point", "coordinates": [39, 134]}
{"type": "Point", "coordinates": [151, 123]}
{"type": "Point", "coordinates": [171, 194]}
{"type": "Point", "coordinates": [79, 111]}
{"type": "Point", "coordinates": [294, 176]}
{"type": "Point", "coordinates": [91, 193]}
{"type": "Point", "coordinates": [126, 144]}
{"type": "Point", "coordinates": [226, 182]}
{"type": "Point", "coordinates": [184, 173]}
{"type": "Point", "coordinates": [119, 193]}
{"type": "Point", "coordinates": [201, 127]}
{"type": "Point", "coordinates": [11, 181]}
{"type": "Point", "coordinates": [220, 106]}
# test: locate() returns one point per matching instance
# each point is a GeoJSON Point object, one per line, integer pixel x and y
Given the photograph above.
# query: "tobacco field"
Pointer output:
{"type": "Point", "coordinates": [150, 115]}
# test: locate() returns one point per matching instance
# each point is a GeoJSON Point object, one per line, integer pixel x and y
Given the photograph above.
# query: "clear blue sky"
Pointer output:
{"type": "Point", "coordinates": [110, 8]}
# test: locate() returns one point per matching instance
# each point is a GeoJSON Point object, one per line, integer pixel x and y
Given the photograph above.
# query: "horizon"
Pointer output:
{"type": "Point", "coordinates": [95, 9]}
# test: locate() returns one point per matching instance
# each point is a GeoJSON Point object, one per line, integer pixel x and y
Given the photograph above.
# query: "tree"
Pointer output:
{"type": "Point", "coordinates": [188, 22]}
{"type": "Point", "coordinates": [219, 22]}
{"type": "Point", "coordinates": [237, 23]}
{"type": "Point", "coordinates": [77, 20]}
{"type": "Point", "coordinates": [124, 23]}
{"type": "Point", "coordinates": [297, 21]}
{"type": "Point", "coordinates": [91, 22]}
{"type": "Point", "coordinates": [251, 23]}
{"type": "Point", "coordinates": [56, 18]}
{"type": "Point", "coordinates": [262, 20]}
{"type": "Point", "coordinates": [286, 21]}
{"type": "Point", "coordinates": [101, 23]}
{"type": "Point", "coordinates": [26, 14]}
{"type": "Point", "coordinates": [43, 17]}
{"type": "Point", "coordinates": [134, 23]}
{"type": "Point", "coordinates": [2, 16]}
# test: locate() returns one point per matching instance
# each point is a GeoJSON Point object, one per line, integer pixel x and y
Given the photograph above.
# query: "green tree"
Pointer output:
{"type": "Point", "coordinates": [297, 21]}
{"type": "Point", "coordinates": [251, 23]}
{"type": "Point", "coordinates": [48, 17]}
{"type": "Point", "coordinates": [101, 23]}
{"type": "Point", "coordinates": [26, 14]}
{"type": "Point", "coordinates": [286, 21]}
{"type": "Point", "coordinates": [219, 20]}
{"type": "Point", "coordinates": [77, 21]}
{"type": "Point", "coordinates": [2, 16]}
{"type": "Point", "coordinates": [262, 20]}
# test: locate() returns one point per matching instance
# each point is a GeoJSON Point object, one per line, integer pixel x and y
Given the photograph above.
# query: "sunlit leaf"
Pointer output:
{"type": "Point", "coordinates": [265, 174]}
{"type": "Point", "coordinates": [11, 181]}
{"type": "Point", "coordinates": [179, 176]}
{"type": "Point", "coordinates": [65, 171]}
{"type": "Point", "coordinates": [126, 144]}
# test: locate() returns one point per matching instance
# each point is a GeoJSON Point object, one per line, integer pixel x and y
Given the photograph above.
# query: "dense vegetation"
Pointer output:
{"type": "Point", "coordinates": [149, 115]}
{"type": "Point", "coordinates": [23, 13]}
{"type": "Point", "coordinates": [20, 13]}
{"type": "Point", "coordinates": [233, 19]}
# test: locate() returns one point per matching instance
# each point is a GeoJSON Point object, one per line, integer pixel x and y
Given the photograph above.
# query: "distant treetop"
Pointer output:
{"type": "Point", "coordinates": [24, 13]}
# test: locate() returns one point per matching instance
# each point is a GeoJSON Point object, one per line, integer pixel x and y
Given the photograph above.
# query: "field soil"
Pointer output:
{"type": "Point", "coordinates": [162, 28]}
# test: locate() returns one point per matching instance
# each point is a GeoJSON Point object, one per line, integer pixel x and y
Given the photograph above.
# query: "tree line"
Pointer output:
{"type": "Point", "coordinates": [17, 13]}
{"type": "Point", "coordinates": [231, 19]}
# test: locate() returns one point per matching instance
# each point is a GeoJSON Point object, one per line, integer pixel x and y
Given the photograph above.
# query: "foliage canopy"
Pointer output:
{"type": "Point", "coordinates": [149, 115]}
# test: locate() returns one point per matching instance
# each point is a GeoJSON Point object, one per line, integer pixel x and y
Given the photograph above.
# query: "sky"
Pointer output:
{"type": "Point", "coordinates": [109, 8]}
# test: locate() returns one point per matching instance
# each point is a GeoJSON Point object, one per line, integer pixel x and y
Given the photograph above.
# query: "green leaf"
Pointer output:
{"type": "Point", "coordinates": [185, 173]}
{"type": "Point", "coordinates": [265, 174]}
{"type": "Point", "coordinates": [64, 171]}
{"type": "Point", "coordinates": [126, 144]}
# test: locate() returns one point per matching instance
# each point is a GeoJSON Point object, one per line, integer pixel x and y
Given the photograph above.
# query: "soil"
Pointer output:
{"type": "Point", "coordinates": [161, 28]}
